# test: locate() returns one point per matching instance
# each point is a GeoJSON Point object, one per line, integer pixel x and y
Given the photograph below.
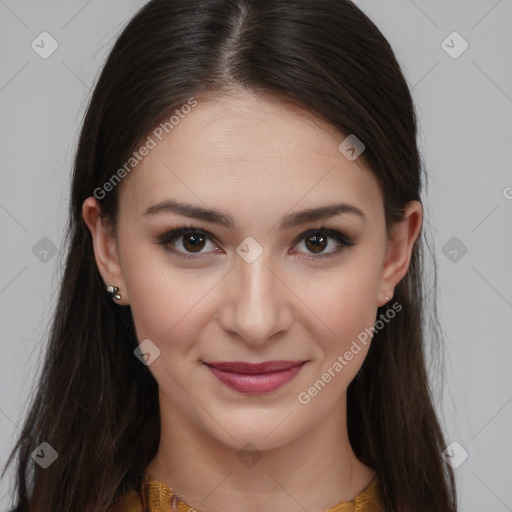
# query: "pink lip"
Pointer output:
{"type": "Point", "coordinates": [255, 378]}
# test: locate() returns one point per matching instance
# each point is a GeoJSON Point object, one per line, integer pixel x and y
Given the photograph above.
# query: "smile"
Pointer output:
{"type": "Point", "coordinates": [255, 378]}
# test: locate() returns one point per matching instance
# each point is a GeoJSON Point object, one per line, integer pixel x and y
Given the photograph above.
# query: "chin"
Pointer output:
{"type": "Point", "coordinates": [254, 441]}
{"type": "Point", "coordinates": [252, 429]}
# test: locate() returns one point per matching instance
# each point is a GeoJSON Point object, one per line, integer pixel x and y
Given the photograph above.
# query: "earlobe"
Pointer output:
{"type": "Point", "coordinates": [403, 236]}
{"type": "Point", "coordinates": [105, 247]}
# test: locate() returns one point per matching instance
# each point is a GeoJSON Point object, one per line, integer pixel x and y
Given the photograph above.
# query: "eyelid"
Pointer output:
{"type": "Point", "coordinates": [181, 230]}
{"type": "Point", "coordinates": [343, 240]}
{"type": "Point", "coordinates": [332, 233]}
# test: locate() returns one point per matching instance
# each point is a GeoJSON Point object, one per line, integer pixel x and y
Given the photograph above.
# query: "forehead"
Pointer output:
{"type": "Point", "coordinates": [271, 153]}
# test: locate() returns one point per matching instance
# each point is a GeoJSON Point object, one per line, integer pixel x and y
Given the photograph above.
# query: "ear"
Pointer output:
{"type": "Point", "coordinates": [401, 241]}
{"type": "Point", "coordinates": [106, 251]}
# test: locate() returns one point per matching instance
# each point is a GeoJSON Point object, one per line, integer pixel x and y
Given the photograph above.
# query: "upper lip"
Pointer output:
{"type": "Point", "coordinates": [254, 368]}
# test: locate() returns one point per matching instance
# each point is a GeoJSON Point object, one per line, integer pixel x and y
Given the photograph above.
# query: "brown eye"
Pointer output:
{"type": "Point", "coordinates": [188, 242]}
{"type": "Point", "coordinates": [322, 243]}
{"type": "Point", "coordinates": [316, 243]}
{"type": "Point", "coordinates": [193, 242]}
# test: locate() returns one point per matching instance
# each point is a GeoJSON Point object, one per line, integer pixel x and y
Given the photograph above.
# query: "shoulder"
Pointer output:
{"type": "Point", "coordinates": [129, 502]}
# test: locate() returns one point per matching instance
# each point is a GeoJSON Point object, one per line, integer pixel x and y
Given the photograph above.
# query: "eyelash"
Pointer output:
{"type": "Point", "coordinates": [181, 230]}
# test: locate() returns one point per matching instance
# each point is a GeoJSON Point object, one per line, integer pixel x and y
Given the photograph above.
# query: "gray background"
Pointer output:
{"type": "Point", "coordinates": [465, 113]}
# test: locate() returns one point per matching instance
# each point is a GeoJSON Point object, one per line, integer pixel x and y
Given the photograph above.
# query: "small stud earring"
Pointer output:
{"type": "Point", "coordinates": [112, 291]}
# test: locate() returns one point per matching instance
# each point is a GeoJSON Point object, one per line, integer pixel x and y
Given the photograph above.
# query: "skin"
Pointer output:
{"type": "Point", "coordinates": [256, 159]}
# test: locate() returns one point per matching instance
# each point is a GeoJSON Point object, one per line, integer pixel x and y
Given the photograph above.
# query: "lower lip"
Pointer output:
{"type": "Point", "coordinates": [255, 384]}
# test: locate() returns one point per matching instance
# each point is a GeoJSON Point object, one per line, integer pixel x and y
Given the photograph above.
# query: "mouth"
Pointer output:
{"type": "Point", "coordinates": [256, 378]}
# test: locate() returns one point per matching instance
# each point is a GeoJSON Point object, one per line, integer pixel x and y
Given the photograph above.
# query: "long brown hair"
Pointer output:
{"type": "Point", "coordinates": [95, 403]}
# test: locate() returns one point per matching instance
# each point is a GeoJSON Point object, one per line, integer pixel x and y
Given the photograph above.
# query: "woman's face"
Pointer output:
{"type": "Point", "coordinates": [258, 281]}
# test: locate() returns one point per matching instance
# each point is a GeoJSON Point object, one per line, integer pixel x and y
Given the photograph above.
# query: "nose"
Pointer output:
{"type": "Point", "coordinates": [256, 304]}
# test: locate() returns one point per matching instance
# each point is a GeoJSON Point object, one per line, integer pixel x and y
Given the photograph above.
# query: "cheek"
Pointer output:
{"type": "Point", "coordinates": [166, 301]}
{"type": "Point", "coordinates": [348, 307]}
{"type": "Point", "coordinates": [160, 311]}
{"type": "Point", "coordinates": [345, 305]}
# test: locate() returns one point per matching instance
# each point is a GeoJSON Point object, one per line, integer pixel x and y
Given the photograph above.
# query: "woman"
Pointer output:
{"type": "Point", "coordinates": [240, 321]}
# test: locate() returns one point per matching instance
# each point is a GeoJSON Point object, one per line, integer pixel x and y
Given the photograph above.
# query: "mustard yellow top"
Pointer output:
{"type": "Point", "coordinates": [155, 496]}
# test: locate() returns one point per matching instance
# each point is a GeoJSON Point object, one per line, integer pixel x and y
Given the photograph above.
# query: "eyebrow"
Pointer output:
{"type": "Point", "coordinates": [288, 221]}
